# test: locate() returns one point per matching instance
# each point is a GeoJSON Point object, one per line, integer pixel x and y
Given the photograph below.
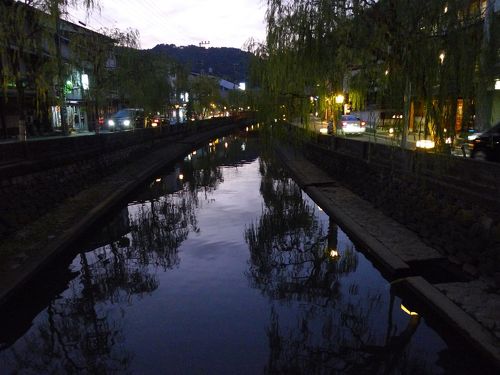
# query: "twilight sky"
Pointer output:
{"type": "Point", "coordinates": [224, 23]}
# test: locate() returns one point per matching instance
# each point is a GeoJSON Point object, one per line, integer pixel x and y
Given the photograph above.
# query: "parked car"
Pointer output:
{"type": "Point", "coordinates": [486, 145]}
{"type": "Point", "coordinates": [350, 124]}
{"type": "Point", "coordinates": [156, 120]}
{"type": "Point", "coordinates": [126, 118]}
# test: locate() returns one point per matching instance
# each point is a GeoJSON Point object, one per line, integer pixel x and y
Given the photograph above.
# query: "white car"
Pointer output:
{"type": "Point", "coordinates": [351, 125]}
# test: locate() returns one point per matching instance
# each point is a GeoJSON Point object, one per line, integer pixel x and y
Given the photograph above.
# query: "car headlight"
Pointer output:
{"type": "Point", "coordinates": [111, 123]}
{"type": "Point", "coordinates": [126, 122]}
{"type": "Point", "coordinates": [473, 136]}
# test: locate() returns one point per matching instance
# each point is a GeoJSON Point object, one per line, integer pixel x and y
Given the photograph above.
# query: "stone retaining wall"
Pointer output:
{"type": "Point", "coordinates": [37, 175]}
{"type": "Point", "coordinates": [453, 203]}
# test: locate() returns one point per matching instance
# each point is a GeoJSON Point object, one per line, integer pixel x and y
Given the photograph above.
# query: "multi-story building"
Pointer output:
{"type": "Point", "coordinates": [47, 72]}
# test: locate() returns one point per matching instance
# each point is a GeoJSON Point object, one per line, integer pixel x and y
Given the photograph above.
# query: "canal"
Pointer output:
{"type": "Point", "coordinates": [221, 264]}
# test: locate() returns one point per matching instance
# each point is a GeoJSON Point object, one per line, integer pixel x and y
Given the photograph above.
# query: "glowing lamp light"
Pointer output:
{"type": "Point", "coordinates": [85, 81]}
{"type": "Point", "coordinates": [181, 177]}
{"type": "Point", "coordinates": [425, 144]}
{"type": "Point", "coordinates": [334, 254]}
{"type": "Point", "coordinates": [242, 86]}
{"type": "Point", "coordinates": [158, 180]}
{"type": "Point", "coordinates": [226, 145]}
{"type": "Point", "coordinates": [497, 84]}
{"type": "Point", "coordinates": [441, 57]}
{"type": "Point", "coordinates": [391, 131]}
{"type": "Point", "coordinates": [411, 313]}
{"type": "Point", "coordinates": [323, 131]}
{"type": "Point", "coordinates": [339, 99]}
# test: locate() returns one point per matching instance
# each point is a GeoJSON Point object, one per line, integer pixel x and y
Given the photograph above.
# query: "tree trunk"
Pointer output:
{"type": "Point", "coordinates": [486, 62]}
{"type": "Point", "coordinates": [2, 118]}
{"type": "Point", "coordinates": [406, 122]}
{"type": "Point", "coordinates": [60, 73]}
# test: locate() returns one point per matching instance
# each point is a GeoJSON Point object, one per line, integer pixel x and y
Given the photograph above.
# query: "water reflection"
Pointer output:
{"type": "Point", "coordinates": [221, 265]}
{"type": "Point", "coordinates": [290, 254]}
{"type": "Point", "coordinates": [75, 335]}
{"type": "Point", "coordinates": [337, 327]}
{"type": "Point", "coordinates": [80, 330]}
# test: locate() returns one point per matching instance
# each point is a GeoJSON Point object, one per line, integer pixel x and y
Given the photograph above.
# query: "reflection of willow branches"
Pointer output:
{"type": "Point", "coordinates": [160, 228]}
{"type": "Point", "coordinates": [289, 256]}
{"type": "Point", "coordinates": [340, 341]}
{"type": "Point", "coordinates": [203, 173]}
{"type": "Point", "coordinates": [76, 338]}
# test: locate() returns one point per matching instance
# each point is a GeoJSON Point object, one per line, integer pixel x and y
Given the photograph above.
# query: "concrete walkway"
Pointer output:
{"type": "Point", "coordinates": [471, 308]}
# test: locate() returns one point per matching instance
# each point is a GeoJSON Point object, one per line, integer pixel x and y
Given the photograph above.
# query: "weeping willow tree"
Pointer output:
{"type": "Point", "coordinates": [307, 54]}
{"type": "Point", "coordinates": [30, 42]}
{"type": "Point", "coordinates": [143, 79]}
{"type": "Point", "coordinates": [414, 55]}
{"type": "Point", "coordinates": [94, 52]}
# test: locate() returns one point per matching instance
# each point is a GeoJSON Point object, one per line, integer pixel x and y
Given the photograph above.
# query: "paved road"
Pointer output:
{"type": "Point", "coordinates": [381, 137]}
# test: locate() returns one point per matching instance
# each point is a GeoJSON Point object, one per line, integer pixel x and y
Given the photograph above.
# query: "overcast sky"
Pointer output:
{"type": "Point", "coordinates": [224, 23]}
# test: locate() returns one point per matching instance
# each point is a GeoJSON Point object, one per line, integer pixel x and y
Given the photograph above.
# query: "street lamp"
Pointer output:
{"type": "Point", "coordinates": [339, 101]}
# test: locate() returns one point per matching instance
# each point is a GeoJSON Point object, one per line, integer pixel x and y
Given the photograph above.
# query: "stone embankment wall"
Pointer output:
{"type": "Point", "coordinates": [37, 175]}
{"type": "Point", "coordinates": [453, 203]}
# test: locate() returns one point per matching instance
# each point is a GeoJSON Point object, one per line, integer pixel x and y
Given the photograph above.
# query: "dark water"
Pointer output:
{"type": "Point", "coordinates": [221, 265]}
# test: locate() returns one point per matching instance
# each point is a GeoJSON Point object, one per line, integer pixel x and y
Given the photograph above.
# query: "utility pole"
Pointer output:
{"type": "Point", "coordinates": [201, 44]}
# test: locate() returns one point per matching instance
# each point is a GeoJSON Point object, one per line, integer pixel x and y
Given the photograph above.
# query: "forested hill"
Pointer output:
{"type": "Point", "coordinates": [228, 63]}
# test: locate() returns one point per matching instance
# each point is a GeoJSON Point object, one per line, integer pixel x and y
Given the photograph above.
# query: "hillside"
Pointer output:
{"type": "Point", "coordinates": [228, 63]}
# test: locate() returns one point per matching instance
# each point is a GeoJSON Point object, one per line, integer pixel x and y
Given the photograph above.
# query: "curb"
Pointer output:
{"type": "Point", "coordinates": [459, 320]}
{"type": "Point", "coordinates": [391, 263]}
{"type": "Point", "coordinates": [473, 332]}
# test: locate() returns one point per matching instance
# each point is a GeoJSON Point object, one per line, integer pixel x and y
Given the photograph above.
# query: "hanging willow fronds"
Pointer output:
{"type": "Point", "coordinates": [326, 46]}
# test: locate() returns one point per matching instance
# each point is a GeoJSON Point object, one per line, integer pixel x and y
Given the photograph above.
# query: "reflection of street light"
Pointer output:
{"type": "Point", "coordinates": [441, 57]}
{"type": "Point", "coordinates": [334, 254]}
{"type": "Point", "coordinates": [411, 313]}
